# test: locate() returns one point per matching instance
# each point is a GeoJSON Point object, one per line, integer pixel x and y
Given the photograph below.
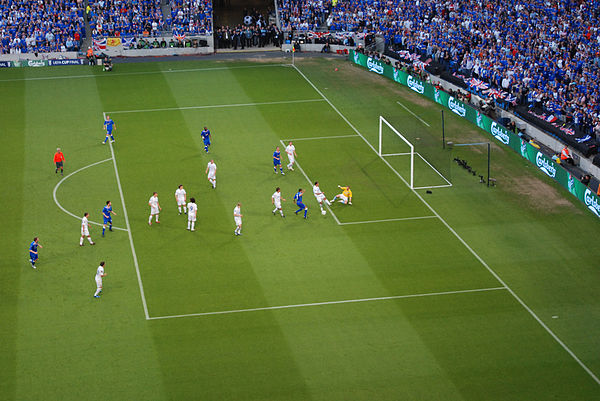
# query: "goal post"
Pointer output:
{"type": "Point", "coordinates": [383, 121]}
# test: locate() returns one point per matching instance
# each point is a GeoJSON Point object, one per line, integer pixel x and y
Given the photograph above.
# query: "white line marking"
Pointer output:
{"type": "Point", "coordinates": [384, 220]}
{"type": "Point", "coordinates": [492, 272]}
{"type": "Point", "coordinates": [135, 261]}
{"type": "Point", "coordinates": [311, 183]}
{"type": "Point", "coordinates": [435, 169]}
{"type": "Point", "coordinates": [321, 137]}
{"type": "Point", "coordinates": [429, 164]}
{"type": "Point", "coordinates": [434, 186]}
{"type": "Point", "coordinates": [143, 73]}
{"type": "Point", "coordinates": [416, 116]}
{"type": "Point", "coordinates": [215, 106]}
{"type": "Point", "coordinates": [65, 210]}
{"type": "Point", "coordinates": [346, 301]}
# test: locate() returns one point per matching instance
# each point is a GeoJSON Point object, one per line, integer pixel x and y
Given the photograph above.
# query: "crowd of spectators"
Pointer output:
{"type": "Point", "coordinates": [41, 26]}
{"type": "Point", "coordinates": [255, 31]}
{"type": "Point", "coordinates": [191, 17]}
{"type": "Point", "coordinates": [125, 17]}
{"type": "Point", "coordinates": [145, 18]}
{"type": "Point", "coordinates": [546, 53]}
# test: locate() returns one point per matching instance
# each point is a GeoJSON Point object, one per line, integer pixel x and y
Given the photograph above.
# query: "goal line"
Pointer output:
{"type": "Point", "coordinates": [411, 153]}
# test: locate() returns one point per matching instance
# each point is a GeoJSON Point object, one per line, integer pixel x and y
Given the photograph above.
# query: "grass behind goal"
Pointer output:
{"type": "Point", "coordinates": [451, 333]}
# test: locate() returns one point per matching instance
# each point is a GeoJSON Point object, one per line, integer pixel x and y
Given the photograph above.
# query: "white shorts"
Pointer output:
{"type": "Point", "coordinates": [191, 218]}
{"type": "Point", "coordinates": [180, 202]}
{"type": "Point", "coordinates": [98, 283]}
{"type": "Point", "coordinates": [344, 198]}
{"type": "Point", "coordinates": [278, 205]}
{"type": "Point", "coordinates": [238, 221]}
{"type": "Point", "coordinates": [85, 233]}
{"type": "Point", "coordinates": [320, 198]}
{"type": "Point", "coordinates": [291, 158]}
{"type": "Point", "coordinates": [153, 210]}
{"type": "Point", "coordinates": [212, 176]}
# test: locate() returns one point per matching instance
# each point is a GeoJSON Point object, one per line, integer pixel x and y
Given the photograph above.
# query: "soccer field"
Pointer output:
{"type": "Point", "coordinates": [465, 293]}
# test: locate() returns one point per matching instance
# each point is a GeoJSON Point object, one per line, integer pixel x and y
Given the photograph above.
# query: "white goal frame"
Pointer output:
{"type": "Point", "coordinates": [412, 154]}
{"type": "Point", "coordinates": [412, 148]}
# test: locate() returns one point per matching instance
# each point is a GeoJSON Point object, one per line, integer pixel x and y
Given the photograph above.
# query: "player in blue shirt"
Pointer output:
{"type": "Point", "coordinates": [206, 138]}
{"type": "Point", "coordinates": [109, 124]}
{"type": "Point", "coordinates": [277, 161]}
{"type": "Point", "coordinates": [298, 199]}
{"type": "Point", "coordinates": [33, 251]}
{"type": "Point", "coordinates": [106, 216]}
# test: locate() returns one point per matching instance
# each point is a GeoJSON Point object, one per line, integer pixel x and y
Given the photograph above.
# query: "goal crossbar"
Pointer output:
{"type": "Point", "coordinates": [410, 145]}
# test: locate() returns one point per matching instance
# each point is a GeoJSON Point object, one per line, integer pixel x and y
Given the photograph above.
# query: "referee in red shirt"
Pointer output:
{"type": "Point", "coordinates": [59, 159]}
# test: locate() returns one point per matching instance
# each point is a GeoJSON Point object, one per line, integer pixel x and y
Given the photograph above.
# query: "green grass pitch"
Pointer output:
{"type": "Point", "coordinates": [400, 296]}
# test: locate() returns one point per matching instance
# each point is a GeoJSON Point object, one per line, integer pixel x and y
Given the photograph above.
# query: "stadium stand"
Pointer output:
{"type": "Point", "coordinates": [191, 17]}
{"type": "Point", "coordinates": [544, 54]}
{"type": "Point", "coordinates": [126, 18]}
{"type": "Point", "coordinates": [40, 26]}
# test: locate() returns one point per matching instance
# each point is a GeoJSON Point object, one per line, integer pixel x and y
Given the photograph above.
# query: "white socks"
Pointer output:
{"type": "Point", "coordinates": [156, 217]}
{"type": "Point", "coordinates": [191, 225]}
{"type": "Point", "coordinates": [179, 208]}
{"type": "Point", "coordinates": [90, 239]}
{"type": "Point", "coordinates": [98, 291]}
{"type": "Point", "coordinates": [81, 241]}
{"type": "Point", "coordinates": [150, 219]}
{"type": "Point", "coordinates": [213, 182]}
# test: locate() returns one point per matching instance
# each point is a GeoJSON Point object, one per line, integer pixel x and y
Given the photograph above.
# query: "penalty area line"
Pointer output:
{"type": "Point", "coordinates": [345, 301]}
{"type": "Point", "coordinates": [68, 176]}
{"type": "Point", "coordinates": [133, 253]}
{"type": "Point", "coordinates": [321, 137]}
{"type": "Point", "coordinates": [215, 106]}
{"type": "Point", "coordinates": [386, 220]}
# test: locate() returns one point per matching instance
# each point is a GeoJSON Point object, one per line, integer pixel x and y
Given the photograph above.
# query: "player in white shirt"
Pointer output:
{"type": "Point", "coordinates": [85, 230]}
{"type": "Point", "coordinates": [237, 217]}
{"type": "Point", "coordinates": [276, 201]}
{"type": "Point", "coordinates": [321, 198]}
{"type": "Point", "coordinates": [291, 152]}
{"type": "Point", "coordinates": [192, 209]}
{"type": "Point", "coordinates": [154, 207]}
{"type": "Point", "coordinates": [180, 197]}
{"type": "Point", "coordinates": [211, 171]}
{"type": "Point", "coordinates": [99, 274]}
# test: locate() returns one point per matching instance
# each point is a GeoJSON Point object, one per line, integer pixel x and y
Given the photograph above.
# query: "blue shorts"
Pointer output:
{"type": "Point", "coordinates": [107, 221]}
{"type": "Point", "coordinates": [206, 142]}
{"type": "Point", "coordinates": [276, 162]}
{"type": "Point", "coordinates": [33, 256]}
{"type": "Point", "coordinates": [109, 132]}
{"type": "Point", "coordinates": [301, 205]}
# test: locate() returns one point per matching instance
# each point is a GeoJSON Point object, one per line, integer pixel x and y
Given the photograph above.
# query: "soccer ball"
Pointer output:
{"type": "Point", "coordinates": [323, 212]}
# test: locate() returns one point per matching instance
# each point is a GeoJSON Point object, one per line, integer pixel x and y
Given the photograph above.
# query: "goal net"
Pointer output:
{"type": "Point", "coordinates": [405, 156]}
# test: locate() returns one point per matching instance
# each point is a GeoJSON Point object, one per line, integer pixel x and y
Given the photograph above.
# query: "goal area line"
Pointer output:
{"type": "Point", "coordinates": [344, 301]}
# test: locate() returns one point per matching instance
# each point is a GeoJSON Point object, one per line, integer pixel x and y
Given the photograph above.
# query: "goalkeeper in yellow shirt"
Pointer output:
{"type": "Point", "coordinates": [345, 197]}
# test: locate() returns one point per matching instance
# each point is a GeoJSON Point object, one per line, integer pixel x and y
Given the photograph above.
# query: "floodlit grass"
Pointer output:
{"type": "Point", "coordinates": [427, 320]}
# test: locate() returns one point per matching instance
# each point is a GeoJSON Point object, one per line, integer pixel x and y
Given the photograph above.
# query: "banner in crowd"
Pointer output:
{"type": "Point", "coordinates": [5, 64]}
{"type": "Point", "coordinates": [129, 43]}
{"type": "Point", "coordinates": [500, 133]}
{"type": "Point", "coordinates": [112, 42]}
{"type": "Point", "coordinates": [335, 34]}
{"type": "Point", "coordinates": [99, 44]}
